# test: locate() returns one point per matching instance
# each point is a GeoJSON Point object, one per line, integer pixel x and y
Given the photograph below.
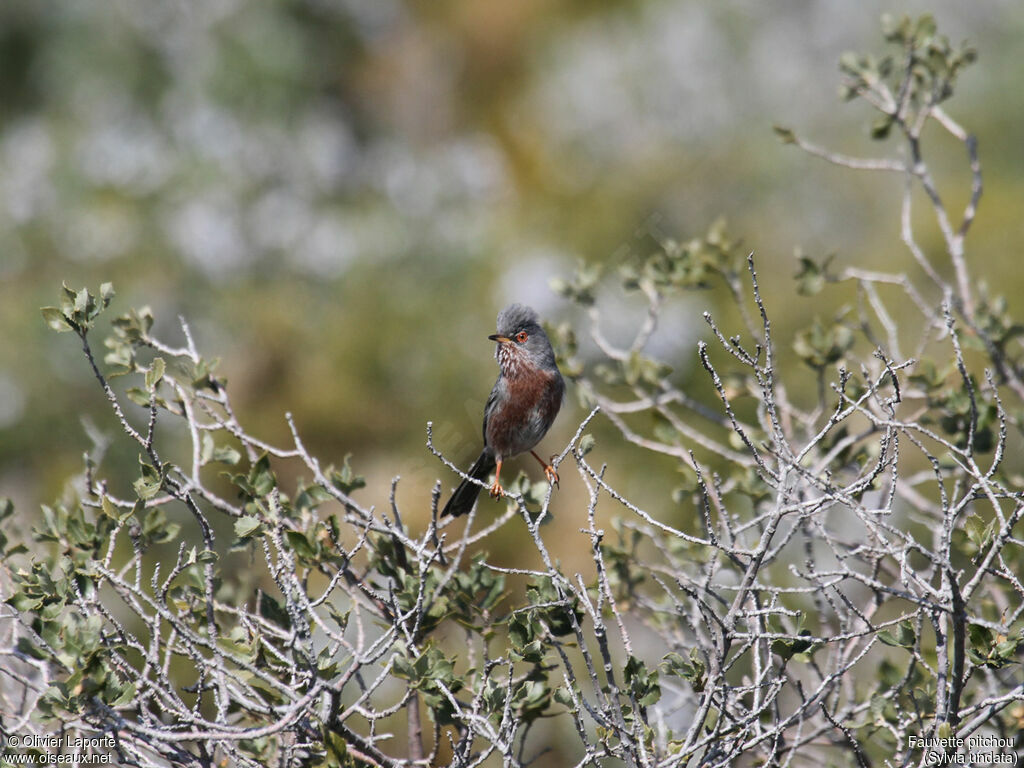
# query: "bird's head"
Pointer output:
{"type": "Point", "coordinates": [521, 341]}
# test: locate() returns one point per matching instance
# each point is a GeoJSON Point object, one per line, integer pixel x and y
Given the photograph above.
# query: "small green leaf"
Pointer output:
{"type": "Point", "coordinates": [785, 135]}
{"type": "Point", "coordinates": [904, 637]}
{"type": "Point", "coordinates": [261, 477]}
{"type": "Point", "coordinates": [562, 696]}
{"type": "Point", "coordinates": [925, 28]}
{"type": "Point", "coordinates": [57, 320]}
{"type": "Point", "coordinates": [820, 345]}
{"type": "Point", "coordinates": [586, 444]}
{"type": "Point", "coordinates": [881, 127]}
{"type": "Point", "coordinates": [156, 527]}
{"type": "Point", "coordinates": [979, 532]}
{"type": "Point", "coordinates": [155, 373]}
{"type": "Point", "coordinates": [300, 544]}
{"type": "Point", "coordinates": [127, 693]}
{"type": "Point", "coordinates": [226, 455]}
{"type": "Point", "coordinates": [787, 648]}
{"type": "Point", "coordinates": [138, 396]}
{"type": "Point", "coordinates": [146, 488]}
{"type": "Point", "coordinates": [67, 299]}
{"type": "Point", "coordinates": [271, 609]}
{"type": "Point", "coordinates": [811, 276]}
{"type": "Point", "coordinates": [82, 301]}
{"type": "Point", "coordinates": [6, 508]}
{"type": "Point", "coordinates": [346, 480]}
{"type": "Point", "coordinates": [112, 511]}
{"type": "Point", "coordinates": [850, 63]}
{"type": "Point", "coordinates": [643, 684]}
{"type": "Point", "coordinates": [24, 603]}
{"type": "Point", "coordinates": [246, 526]}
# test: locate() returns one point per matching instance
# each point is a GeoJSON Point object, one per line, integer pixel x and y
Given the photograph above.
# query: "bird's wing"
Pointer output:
{"type": "Point", "coordinates": [491, 399]}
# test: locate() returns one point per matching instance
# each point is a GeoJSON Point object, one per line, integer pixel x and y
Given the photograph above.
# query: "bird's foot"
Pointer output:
{"type": "Point", "coordinates": [496, 490]}
{"type": "Point", "coordinates": [551, 475]}
{"type": "Point", "coordinates": [549, 471]}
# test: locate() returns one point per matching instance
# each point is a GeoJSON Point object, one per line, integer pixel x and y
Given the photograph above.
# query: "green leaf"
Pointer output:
{"type": "Point", "coordinates": [155, 373]}
{"type": "Point", "coordinates": [811, 276]}
{"type": "Point", "coordinates": [785, 135]}
{"type": "Point", "coordinates": [895, 29]}
{"type": "Point", "coordinates": [562, 696]}
{"type": "Point", "coordinates": [787, 648]}
{"type": "Point", "coordinates": [138, 396]}
{"type": "Point", "coordinates": [692, 669]}
{"type": "Point", "coordinates": [346, 480]}
{"type": "Point", "coordinates": [226, 455]}
{"type": "Point", "coordinates": [246, 526]}
{"type": "Point", "coordinates": [980, 636]}
{"type": "Point", "coordinates": [581, 287]}
{"type": "Point", "coordinates": [156, 528]}
{"type": "Point", "coordinates": [531, 699]}
{"type": "Point", "coordinates": [127, 693]}
{"type": "Point", "coordinates": [146, 488]}
{"type": "Point", "coordinates": [850, 63]}
{"type": "Point", "coordinates": [6, 508]}
{"type": "Point", "coordinates": [904, 637]}
{"type": "Point", "coordinates": [337, 750]}
{"type": "Point", "coordinates": [24, 603]}
{"type": "Point", "coordinates": [326, 666]}
{"type": "Point", "coordinates": [1006, 648]}
{"type": "Point", "coordinates": [820, 345]}
{"type": "Point", "coordinates": [979, 532]}
{"type": "Point", "coordinates": [300, 544]}
{"type": "Point", "coordinates": [82, 301]}
{"type": "Point", "coordinates": [643, 684]}
{"type": "Point", "coordinates": [260, 480]}
{"type": "Point", "coordinates": [273, 610]}
{"type": "Point", "coordinates": [67, 299]}
{"type": "Point", "coordinates": [111, 511]}
{"type": "Point", "coordinates": [586, 444]}
{"type": "Point", "coordinates": [925, 28]}
{"type": "Point", "coordinates": [57, 320]}
{"type": "Point", "coordinates": [881, 127]}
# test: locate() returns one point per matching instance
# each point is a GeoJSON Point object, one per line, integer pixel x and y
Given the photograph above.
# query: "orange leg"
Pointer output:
{"type": "Point", "coordinates": [496, 489]}
{"type": "Point", "coordinates": [549, 471]}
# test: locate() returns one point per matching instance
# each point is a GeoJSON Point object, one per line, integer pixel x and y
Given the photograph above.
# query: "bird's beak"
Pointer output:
{"type": "Point", "coordinates": [500, 339]}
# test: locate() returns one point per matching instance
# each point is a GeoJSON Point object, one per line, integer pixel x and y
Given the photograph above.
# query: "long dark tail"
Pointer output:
{"type": "Point", "coordinates": [465, 495]}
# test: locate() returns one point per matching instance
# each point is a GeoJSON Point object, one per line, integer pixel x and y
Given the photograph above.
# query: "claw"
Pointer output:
{"type": "Point", "coordinates": [551, 475]}
{"type": "Point", "coordinates": [549, 471]}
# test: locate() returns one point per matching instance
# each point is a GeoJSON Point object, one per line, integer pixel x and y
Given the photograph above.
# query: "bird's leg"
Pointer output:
{"type": "Point", "coordinates": [496, 490]}
{"type": "Point", "coordinates": [549, 471]}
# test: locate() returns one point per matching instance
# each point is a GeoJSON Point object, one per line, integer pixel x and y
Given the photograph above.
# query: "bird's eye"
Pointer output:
{"type": "Point", "coordinates": [521, 337]}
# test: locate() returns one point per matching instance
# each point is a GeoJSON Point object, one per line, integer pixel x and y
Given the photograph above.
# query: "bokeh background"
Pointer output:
{"type": "Point", "coordinates": [340, 194]}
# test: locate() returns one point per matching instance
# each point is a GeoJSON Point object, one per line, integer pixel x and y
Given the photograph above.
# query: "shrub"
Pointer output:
{"type": "Point", "coordinates": [850, 588]}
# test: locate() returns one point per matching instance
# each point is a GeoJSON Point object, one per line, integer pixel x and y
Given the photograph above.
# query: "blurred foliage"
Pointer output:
{"type": "Point", "coordinates": [316, 183]}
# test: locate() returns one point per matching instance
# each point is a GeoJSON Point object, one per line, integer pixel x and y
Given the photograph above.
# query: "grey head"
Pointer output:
{"type": "Point", "coordinates": [521, 339]}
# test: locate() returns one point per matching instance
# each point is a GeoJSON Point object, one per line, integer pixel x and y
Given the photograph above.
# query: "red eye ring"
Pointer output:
{"type": "Point", "coordinates": [521, 337]}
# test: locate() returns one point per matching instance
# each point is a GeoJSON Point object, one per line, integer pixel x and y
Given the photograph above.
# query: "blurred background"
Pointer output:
{"type": "Point", "coordinates": [339, 195]}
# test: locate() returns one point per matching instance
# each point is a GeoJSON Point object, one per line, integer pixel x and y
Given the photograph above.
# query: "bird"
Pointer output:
{"type": "Point", "coordinates": [522, 405]}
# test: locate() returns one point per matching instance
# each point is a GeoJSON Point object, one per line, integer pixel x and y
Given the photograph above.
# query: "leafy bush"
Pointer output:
{"type": "Point", "coordinates": [850, 586]}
